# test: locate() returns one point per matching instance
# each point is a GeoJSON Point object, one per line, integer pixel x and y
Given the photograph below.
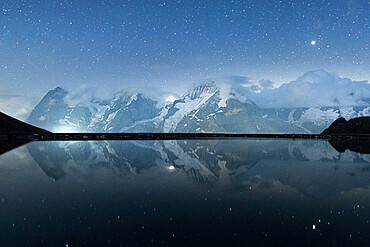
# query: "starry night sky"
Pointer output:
{"type": "Point", "coordinates": [167, 45]}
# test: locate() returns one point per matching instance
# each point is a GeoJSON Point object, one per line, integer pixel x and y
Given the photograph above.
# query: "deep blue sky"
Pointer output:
{"type": "Point", "coordinates": [170, 44]}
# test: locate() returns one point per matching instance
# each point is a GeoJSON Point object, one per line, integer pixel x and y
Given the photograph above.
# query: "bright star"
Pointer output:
{"type": "Point", "coordinates": [313, 42]}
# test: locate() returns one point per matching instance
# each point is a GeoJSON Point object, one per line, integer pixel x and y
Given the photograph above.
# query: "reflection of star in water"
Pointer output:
{"type": "Point", "coordinates": [313, 42]}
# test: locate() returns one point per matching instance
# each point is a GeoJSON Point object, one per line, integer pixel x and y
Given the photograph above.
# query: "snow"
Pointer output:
{"type": "Point", "coordinates": [224, 95]}
{"type": "Point", "coordinates": [211, 115]}
{"type": "Point", "coordinates": [97, 114]}
{"type": "Point", "coordinates": [112, 116]}
{"type": "Point", "coordinates": [314, 151]}
{"type": "Point", "coordinates": [189, 106]}
{"type": "Point", "coordinates": [290, 117]}
{"type": "Point", "coordinates": [132, 98]}
{"type": "Point", "coordinates": [365, 112]}
{"type": "Point", "coordinates": [320, 116]}
{"type": "Point", "coordinates": [188, 162]}
{"type": "Point", "coordinates": [314, 115]}
{"type": "Point", "coordinates": [156, 120]}
{"type": "Point", "coordinates": [67, 122]}
{"type": "Point", "coordinates": [194, 114]}
{"type": "Point", "coordinates": [347, 112]}
{"type": "Point", "coordinates": [193, 100]}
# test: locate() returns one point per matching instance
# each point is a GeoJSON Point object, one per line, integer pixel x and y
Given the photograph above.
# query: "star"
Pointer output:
{"type": "Point", "coordinates": [313, 42]}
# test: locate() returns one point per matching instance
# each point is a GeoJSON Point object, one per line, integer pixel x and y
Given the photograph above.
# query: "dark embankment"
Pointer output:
{"type": "Point", "coordinates": [355, 126]}
{"type": "Point", "coordinates": [10, 125]}
{"type": "Point", "coordinates": [358, 146]}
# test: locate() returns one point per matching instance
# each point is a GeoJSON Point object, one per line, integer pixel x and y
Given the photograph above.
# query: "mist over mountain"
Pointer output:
{"type": "Point", "coordinates": [203, 109]}
{"type": "Point", "coordinates": [313, 89]}
{"type": "Point", "coordinates": [212, 107]}
{"type": "Point", "coordinates": [18, 106]}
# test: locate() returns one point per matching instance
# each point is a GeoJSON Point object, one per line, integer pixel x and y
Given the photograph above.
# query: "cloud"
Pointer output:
{"type": "Point", "coordinates": [162, 97]}
{"type": "Point", "coordinates": [266, 84]}
{"type": "Point", "coordinates": [84, 95]}
{"type": "Point", "coordinates": [238, 80]}
{"type": "Point", "coordinates": [244, 84]}
{"type": "Point", "coordinates": [313, 89]}
{"type": "Point", "coordinates": [17, 106]}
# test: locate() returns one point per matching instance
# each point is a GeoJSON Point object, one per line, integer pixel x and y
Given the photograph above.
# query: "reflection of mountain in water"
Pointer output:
{"type": "Point", "coordinates": [313, 167]}
{"type": "Point", "coordinates": [7, 145]}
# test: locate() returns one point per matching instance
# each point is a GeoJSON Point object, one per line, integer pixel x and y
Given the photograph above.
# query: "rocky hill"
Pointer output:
{"type": "Point", "coordinates": [340, 126]}
{"type": "Point", "coordinates": [354, 126]}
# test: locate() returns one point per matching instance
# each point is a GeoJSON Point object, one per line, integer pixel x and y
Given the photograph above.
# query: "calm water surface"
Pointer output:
{"type": "Point", "coordinates": [184, 193]}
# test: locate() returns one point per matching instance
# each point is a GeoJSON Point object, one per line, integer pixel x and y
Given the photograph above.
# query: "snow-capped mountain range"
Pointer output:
{"type": "Point", "coordinates": [206, 108]}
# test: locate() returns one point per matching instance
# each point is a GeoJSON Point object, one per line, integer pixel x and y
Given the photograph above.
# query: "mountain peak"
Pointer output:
{"type": "Point", "coordinates": [58, 89]}
{"type": "Point", "coordinates": [208, 88]}
{"type": "Point", "coordinates": [57, 92]}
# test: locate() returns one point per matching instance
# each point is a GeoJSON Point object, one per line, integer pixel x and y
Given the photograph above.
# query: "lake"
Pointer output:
{"type": "Point", "coordinates": [231, 192]}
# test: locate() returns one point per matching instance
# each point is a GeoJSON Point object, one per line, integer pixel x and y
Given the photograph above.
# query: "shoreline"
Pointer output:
{"type": "Point", "coordinates": [171, 136]}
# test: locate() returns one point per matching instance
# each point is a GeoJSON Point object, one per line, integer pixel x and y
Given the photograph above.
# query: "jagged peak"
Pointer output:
{"type": "Point", "coordinates": [125, 94]}
{"type": "Point", "coordinates": [202, 89]}
{"type": "Point", "coordinates": [58, 90]}
{"type": "Point", "coordinates": [56, 93]}
{"type": "Point", "coordinates": [129, 96]}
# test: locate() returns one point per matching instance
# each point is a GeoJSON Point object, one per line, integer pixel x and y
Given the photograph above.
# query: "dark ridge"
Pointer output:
{"type": "Point", "coordinates": [7, 145]}
{"type": "Point", "coordinates": [355, 126]}
{"type": "Point", "coordinates": [358, 146]}
{"type": "Point", "coordinates": [10, 125]}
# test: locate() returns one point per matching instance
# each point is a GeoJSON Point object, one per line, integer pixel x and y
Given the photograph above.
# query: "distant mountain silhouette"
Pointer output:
{"type": "Point", "coordinates": [10, 125]}
{"type": "Point", "coordinates": [360, 125]}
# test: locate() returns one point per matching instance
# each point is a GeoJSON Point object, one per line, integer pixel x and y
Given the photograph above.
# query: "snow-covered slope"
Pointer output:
{"type": "Point", "coordinates": [189, 106]}
{"type": "Point", "coordinates": [317, 119]}
{"type": "Point", "coordinates": [125, 110]}
{"type": "Point", "coordinates": [55, 113]}
{"type": "Point", "coordinates": [51, 109]}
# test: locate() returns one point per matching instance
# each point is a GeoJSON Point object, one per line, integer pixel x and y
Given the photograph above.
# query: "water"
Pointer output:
{"type": "Point", "coordinates": [184, 193]}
